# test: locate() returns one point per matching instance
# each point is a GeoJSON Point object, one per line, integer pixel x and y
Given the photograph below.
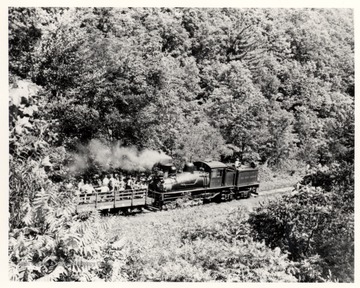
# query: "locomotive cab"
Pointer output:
{"type": "Point", "coordinates": [216, 171]}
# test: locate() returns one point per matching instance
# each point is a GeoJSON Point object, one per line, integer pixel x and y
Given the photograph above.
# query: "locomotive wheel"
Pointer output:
{"type": "Point", "coordinates": [217, 198]}
{"type": "Point", "coordinates": [206, 201]}
{"type": "Point", "coordinates": [255, 191]}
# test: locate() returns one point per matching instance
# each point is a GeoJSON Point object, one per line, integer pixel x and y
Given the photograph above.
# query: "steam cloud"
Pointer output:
{"type": "Point", "coordinates": [116, 156]}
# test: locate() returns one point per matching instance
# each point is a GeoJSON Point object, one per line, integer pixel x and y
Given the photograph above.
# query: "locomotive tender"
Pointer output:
{"type": "Point", "coordinates": [203, 180]}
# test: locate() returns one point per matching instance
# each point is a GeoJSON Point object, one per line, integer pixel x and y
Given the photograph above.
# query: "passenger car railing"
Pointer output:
{"type": "Point", "coordinates": [111, 196]}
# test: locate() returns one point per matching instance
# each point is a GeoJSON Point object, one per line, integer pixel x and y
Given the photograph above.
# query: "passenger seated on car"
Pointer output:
{"type": "Point", "coordinates": [116, 182]}
{"type": "Point", "coordinates": [106, 180]}
{"type": "Point", "coordinates": [77, 193]}
{"type": "Point", "coordinates": [81, 184]}
{"type": "Point", "coordinates": [112, 183]}
{"type": "Point", "coordinates": [129, 183]}
{"type": "Point", "coordinates": [88, 190]}
{"type": "Point", "coordinates": [237, 163]}
{"type": "Point", "coordinates": [122, 185]}
{"type": "Point", "coordinates": [143, 184]}
{"type": "Point", "coordinates": [97, 181]}
{"type": "Point", "coordinates": [104, 188]}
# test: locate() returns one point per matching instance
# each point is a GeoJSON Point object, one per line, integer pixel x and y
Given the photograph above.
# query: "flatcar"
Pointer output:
{"type": "Point", "coordinates": [126, 199]}
{"type": "Point", "coordinates": [202, 180]}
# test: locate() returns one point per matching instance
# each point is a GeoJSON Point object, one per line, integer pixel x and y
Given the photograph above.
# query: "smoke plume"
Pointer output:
{"type": "Point", "coordinates": [116, 156]}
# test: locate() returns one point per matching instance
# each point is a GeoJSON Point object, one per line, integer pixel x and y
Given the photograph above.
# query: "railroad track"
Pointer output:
{"type": "Point", "coordinates": [249, 202]}
{"type": "Point", "coordinates": [276, 191]}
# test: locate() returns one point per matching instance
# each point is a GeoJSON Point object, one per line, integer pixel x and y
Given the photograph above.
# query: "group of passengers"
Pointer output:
{"type": "Point", "coordinates": [111, 183]}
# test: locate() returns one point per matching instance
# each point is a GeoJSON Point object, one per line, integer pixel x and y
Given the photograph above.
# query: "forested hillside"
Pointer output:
{"type": "Point", "coordinates": [274, 86]}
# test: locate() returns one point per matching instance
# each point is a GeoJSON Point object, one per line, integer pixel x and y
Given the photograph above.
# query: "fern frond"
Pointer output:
{"type": "Point", "coordinates": [54, 275]}
{"type": "Point", "coordinates": [118, 244]}
{"type": "Point", "coordinates": [90, 251]}
{"type": "Point", "coordinates": [105, 225]}
{"type": "Point", "coordinates": [13, 272]}
{"type": "Point", "coordinates": [86, 276]}
{"type": "Point", "coordinates": [26, 268]}
{"type": "Point", "coordinates": [68, 210]}
{"type": "Point", "coordinates": [40, 199]}
{"type": "Point", "coordinates": [27, 209]}
{"type": "Point", "coordinates": [88, 236]}
{"type": "Point", "coordinates": [12, 242]}
{"type": "Point", "coordinates": [72, 241]}
{"type": "Point", "coordinates": [48, 242]}
{"type": "Point", "coordinates": [85, 263]}
{"type": "Point", "coordinates": [54, 199]}
{"type": "Point", "coordinates": [28, 218]}
{"type": "Point", "coordinates": [51, 220]}
{"type": "Point", "coordinates": [115, 270]}
{"type": "Point", "coordinates": [52, 258]}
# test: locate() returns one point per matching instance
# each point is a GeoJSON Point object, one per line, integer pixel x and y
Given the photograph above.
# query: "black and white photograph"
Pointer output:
{"type": "Point", "coordinates": [180, 144]}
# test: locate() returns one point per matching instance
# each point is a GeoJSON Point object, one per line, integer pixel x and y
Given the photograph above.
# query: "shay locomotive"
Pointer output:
{"type": "Point", "coordinates": [204, 181]}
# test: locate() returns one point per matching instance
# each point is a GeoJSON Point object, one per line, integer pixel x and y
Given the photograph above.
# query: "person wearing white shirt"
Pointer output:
{"type": "Point", "coordinates": [106, 181]}
{"type": "Point", "coordinates": [81, 184]}
{"type": "Point", "coordinates": [237, 163]}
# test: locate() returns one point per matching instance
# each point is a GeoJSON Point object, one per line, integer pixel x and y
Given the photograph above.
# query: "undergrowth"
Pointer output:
{"type": "Point", "coordinates": [194, 245]}
{"type": "Point", "coordinates": [288, 175]}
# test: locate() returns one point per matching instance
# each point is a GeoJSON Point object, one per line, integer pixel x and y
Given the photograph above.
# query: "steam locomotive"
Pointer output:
{"type": "Point", "coordinates": [204, 181]}
{"type": "Point", "coordinates": [210, 181]}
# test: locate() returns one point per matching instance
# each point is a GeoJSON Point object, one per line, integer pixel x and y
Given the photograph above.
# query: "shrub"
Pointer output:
{"type": "Point", "coordinates": [242, 261]}
{"type": "Point", "coordinates": [192, 245]}
{"type": "Point", "coordinates": [48, 241]}
{"type": "Point", "coordinates": [307, 225]}
{"type": "Point", "coordinates": [55, 243]}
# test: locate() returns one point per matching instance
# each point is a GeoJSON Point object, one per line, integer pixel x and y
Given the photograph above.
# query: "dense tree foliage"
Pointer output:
{"type": "Point", "coordinates": [265, 85]}
{"type": "Point", "coordinates": [268, 80]}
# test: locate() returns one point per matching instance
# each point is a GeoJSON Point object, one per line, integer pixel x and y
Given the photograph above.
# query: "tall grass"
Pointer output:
{"type": "Point", "coordinates": [288, 175]}
{"type": "Point", "coordinates": [206, 243]}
